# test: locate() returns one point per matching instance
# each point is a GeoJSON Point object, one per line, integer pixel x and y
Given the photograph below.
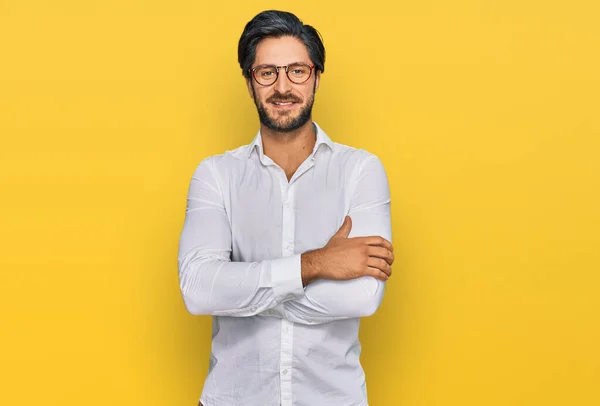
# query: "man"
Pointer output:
{"type": "Point", "coordinates": [262, 249]}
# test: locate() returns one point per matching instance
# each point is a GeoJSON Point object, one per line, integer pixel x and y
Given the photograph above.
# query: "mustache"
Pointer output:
{"type": "Point", "coordinates": [282, 98]}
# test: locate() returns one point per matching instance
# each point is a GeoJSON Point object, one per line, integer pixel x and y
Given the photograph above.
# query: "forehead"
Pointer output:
{"type": "Point", "coordinates": [281, 51]}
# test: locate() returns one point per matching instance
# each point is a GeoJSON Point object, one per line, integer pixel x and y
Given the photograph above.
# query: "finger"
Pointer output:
{"type": "Point", "coordinates": [345, 228]}
{"type": "Point", "coordinates": [347, 225]}
{"type": "Point", "coordinates": [377, 274]}
{"type": "Point", "coordinates": [376, 240]}
{"type": "Point", "coordinates": [380, 264]}
{"type": "Point", "coordinates": [380, 252]}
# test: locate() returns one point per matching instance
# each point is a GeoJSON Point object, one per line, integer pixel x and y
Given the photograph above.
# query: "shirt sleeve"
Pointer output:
{"type": "Point", "coordinates": [210, 283]}
{"type": "Point", "coordinates": [328, 300]}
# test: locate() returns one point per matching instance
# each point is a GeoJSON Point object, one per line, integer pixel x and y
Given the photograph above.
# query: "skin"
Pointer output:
{"type": "Point", "coordinates": [342, 258]}
{"type": "Point", "coordinates": [286, 149]}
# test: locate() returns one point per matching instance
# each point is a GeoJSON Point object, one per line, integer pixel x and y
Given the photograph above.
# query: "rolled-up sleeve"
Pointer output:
{"type": "Point", "coordinates": [210, 283]}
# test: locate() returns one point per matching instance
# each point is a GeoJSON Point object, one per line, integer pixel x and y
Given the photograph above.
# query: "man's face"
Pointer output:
{"type": "Point", "coordinates": [272, 113]}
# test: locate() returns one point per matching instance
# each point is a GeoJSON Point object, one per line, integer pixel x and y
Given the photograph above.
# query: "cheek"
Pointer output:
{"type": "Point", "coordinates": [307, 96]}
{"type": "Point", "coordinates": [308, 91]}
{"type": "Point", "coordinates": [262, 95]}
{"type": "Point", "coordinates": [259, 93]}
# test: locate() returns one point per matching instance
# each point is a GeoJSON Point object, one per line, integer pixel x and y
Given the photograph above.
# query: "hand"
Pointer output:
{"type": "Point", "coordinates": [344, 258]}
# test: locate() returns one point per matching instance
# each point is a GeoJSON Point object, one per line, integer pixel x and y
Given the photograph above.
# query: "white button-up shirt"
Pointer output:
{"type": "Point", "coordinates": [274, 342]}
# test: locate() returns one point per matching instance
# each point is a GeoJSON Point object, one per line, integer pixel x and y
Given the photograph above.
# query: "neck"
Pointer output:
{"type": "Point", "coordinates": [290, 149]}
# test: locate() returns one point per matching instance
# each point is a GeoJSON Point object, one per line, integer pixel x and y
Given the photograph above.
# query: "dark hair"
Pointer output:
{"type": "Point", "coordinates": [276, 24]}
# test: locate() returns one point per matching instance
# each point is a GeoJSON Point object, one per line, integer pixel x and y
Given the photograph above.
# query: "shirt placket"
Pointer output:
{"type": "Point", "coordinates": [288, 190]}
{"type": "Point", "coordinates": [287, 327]}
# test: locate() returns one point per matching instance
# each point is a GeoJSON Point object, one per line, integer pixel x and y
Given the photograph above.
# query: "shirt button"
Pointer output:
{"type": "Point", "coordinates": [286, 330]}
{"type": "Point", "coordinates": [287, 205]}
{"type": "Point", "coordinates": [290, 296]}
{"type": "Point", "coordinates": [285, 371]}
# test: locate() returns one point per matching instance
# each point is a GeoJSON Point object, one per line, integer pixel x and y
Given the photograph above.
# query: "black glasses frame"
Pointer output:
{"type": "Point", "coordinates": [287, 67]}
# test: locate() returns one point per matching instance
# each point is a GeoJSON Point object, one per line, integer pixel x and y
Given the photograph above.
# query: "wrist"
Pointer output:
{"type": "Point", "coordinates": [310, 266]}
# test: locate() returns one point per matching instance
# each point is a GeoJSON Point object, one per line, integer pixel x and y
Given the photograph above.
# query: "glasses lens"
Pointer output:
{"type": "Point", "coordinates": [266, 75]}
{"type": "Point", "coordinates": [299, 72]}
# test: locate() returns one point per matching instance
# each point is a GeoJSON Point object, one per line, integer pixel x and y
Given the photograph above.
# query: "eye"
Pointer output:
{"type": "Point", "coordinates": [299, 71]}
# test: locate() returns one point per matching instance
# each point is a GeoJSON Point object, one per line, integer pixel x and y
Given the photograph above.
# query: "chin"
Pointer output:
{"type": "Point", "coordinates": [284, 121]}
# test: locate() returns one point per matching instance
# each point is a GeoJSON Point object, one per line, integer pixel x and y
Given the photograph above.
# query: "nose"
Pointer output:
{"type": "Point", "coordinates": [282, 84]}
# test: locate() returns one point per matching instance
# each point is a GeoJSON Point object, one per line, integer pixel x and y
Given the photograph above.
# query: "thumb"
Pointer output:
{"type": "Point", "coordinates": [345, 228]}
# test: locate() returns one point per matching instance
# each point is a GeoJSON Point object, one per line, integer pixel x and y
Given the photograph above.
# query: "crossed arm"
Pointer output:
{"type": "Point", "coordinates": [211, 284]}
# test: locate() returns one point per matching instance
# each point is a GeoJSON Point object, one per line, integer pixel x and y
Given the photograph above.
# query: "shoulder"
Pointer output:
{"type": "Point", "coordinates": [356, 158]}
{"type": "Point", "coordinates": [225, 162]}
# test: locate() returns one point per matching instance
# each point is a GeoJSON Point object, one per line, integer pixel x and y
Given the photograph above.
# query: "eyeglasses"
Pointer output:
{"type": "Point", "coordinates": [266, 75]}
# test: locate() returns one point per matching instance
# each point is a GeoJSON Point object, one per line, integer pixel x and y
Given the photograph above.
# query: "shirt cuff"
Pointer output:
{"type": "Point", "coordinates": [286, 275]}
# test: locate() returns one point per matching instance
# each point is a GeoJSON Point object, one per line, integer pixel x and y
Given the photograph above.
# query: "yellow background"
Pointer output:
{"type": "Point", "coordinates": [485, 114]}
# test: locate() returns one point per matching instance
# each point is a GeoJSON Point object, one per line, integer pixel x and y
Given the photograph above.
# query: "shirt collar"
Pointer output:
{"type": "Point", "coordinates": [322, 138]}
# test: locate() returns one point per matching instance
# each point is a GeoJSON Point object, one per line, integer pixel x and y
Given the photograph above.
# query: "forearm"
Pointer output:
{"type": "Point", "coordinates": [212, 285]}
{"type": "Point", "coordinates": [329, 300]}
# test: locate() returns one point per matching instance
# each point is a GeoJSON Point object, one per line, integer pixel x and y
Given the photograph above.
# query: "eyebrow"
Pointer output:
{"type": "Point", "coordinates": [291, 63]}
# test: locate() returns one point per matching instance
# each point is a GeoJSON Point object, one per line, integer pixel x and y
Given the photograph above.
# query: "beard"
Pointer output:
{"type": "Point", "coordinates": [284, 122]}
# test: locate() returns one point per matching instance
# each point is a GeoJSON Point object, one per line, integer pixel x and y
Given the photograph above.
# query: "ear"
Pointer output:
{"type": "Point", "coordinates": [317, 79]}
{"type": "Point", "coordinates": [249, 85]}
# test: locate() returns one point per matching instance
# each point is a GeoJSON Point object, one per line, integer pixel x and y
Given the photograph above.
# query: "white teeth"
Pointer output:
{"type": "Point", "coordinates": [283, 104]}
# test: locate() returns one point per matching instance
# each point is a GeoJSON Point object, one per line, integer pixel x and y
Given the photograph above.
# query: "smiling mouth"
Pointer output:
{"type": "Point", "coordinates": [283, 103]}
